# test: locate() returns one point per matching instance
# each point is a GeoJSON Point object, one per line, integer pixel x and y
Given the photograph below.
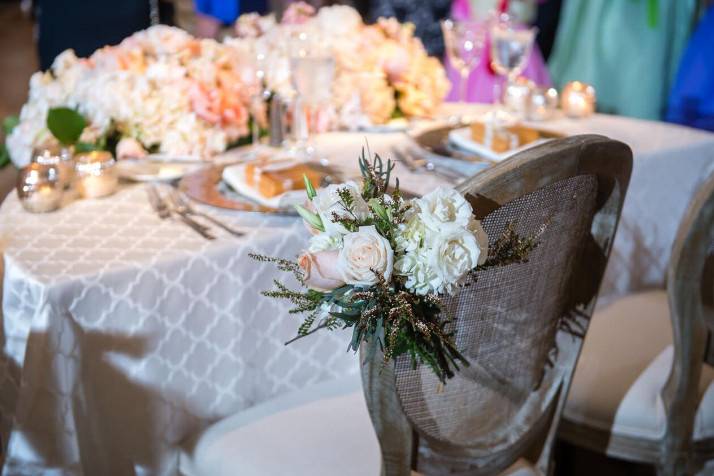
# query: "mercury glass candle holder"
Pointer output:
{"type": "Point", "coordinates": [61, 157]}
{"type": "Point", "coordinates": [517, 94]}
{"type": "Point", "coordinates": [39, 188]}
{"type": "Point", "coordinates": [578, 99]}
{"type": "Point", "coordinates": [97, 174]}
{"type": "Point", "coordinates": [542, 103]}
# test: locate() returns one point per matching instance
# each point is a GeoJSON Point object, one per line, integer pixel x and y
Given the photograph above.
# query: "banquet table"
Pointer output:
{"type": "Point", "coordinates": [124, 334]}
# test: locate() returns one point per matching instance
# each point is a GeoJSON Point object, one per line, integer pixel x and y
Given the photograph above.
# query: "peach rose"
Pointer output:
{"type": "Point", "coordinates": [130, 148]}
{"type": "Point", "coordinates": [320, 270]}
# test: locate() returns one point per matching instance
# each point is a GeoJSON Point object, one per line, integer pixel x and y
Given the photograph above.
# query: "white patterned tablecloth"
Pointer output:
{"type": "Point", "coordinates": [124, 334]}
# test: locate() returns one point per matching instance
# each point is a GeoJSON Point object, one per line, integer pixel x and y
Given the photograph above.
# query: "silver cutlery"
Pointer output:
{"type": "Point", "coordinates": [416, 164]}
{"type": "Point", "coordinates": [159, 206]}
{"type": "Point", "coordinates": [187, 220]}
{"type": "Point", "coordinates": [182, 206]}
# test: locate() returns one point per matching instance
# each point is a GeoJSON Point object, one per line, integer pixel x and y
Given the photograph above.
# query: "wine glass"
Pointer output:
{"type": "Point", "coordinates": [465, 44]}
{"type": "Point", "coordinates": [312, 68]}
{"type": "Point", "coordinates": [510, 49]}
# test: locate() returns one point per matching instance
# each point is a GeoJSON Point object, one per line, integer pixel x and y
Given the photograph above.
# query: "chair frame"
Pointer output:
{"type": "Point", "coordinates": [690, 289]}
{"type": "Point", "coordinates": [611, 163]}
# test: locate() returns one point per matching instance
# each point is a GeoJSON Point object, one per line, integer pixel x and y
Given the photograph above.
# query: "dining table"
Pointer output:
{"type": "Point", "coordinates": [123, 333]}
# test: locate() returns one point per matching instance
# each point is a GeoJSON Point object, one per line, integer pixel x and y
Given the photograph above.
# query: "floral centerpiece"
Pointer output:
{"type": "Point", "coordinates": [381, 70]}
{"type": "Point", "coordinates": [160, 89]}
{"type": "Point", "coordinates": [381, 264]}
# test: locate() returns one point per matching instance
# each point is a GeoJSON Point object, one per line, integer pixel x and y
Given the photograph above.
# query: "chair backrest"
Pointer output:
{"type": "Point", "coordinates": [521, 326]}
{"type": "Point", "coordinates": [690, 286]}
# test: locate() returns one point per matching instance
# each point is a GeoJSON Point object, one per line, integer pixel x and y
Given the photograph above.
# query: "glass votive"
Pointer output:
{"type": "Point", "coordinates": [39, 188]}
{"type": "Point", "coordinates": [542, 104]}
{"type": "Point", "coordinates": [516, 95]}
{"type": "Point", "coordinates": [578, 99]}
{"type": "Point", "coordinates": [97, 174]}
{"type": "Point", "coordinates": [61, 157]}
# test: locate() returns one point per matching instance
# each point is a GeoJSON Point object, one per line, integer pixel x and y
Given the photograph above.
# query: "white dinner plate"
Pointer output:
{"type": "Point", "coordinates": [148, 170]}
{"type": "Point", "coordinates": [234, 176]}
{"type": "Point", "coordinates": [394, 125]}
{"type": "Point", "coordinates": [461, 138]}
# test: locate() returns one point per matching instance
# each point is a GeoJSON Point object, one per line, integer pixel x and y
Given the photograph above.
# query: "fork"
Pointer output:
{"type": "Point", "coordinates": [416, 164]}
{"type": "Point", "coordinates": [156, 202]}
{"type": "Point", "coordinates": [182, 206]}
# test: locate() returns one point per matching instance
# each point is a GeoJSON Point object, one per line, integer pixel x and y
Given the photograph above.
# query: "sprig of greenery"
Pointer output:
{"type": "Point", "coordinates": [375, 176]}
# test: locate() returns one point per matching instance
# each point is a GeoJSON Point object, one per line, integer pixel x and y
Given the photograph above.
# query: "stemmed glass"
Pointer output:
{"type": "Point", "coordinates": [312, 68]}
{"type": "Point", "coordinates": [259, 97]}
{"type": "Point", "coordinates": [510, 49]}
{"type": "Point", "coordinates": [465, 44]}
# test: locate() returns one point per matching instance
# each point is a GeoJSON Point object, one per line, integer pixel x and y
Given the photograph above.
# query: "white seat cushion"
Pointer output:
{"type": "Point", "coordinates": [321, 430]}
{"type": "Point", "coordinates": [625, 363]}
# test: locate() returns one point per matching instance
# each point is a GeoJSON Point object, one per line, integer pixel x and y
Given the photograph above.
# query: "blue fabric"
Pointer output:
{"type": "Point", "coordinates": [691, 100]}
{"type": "Point", "coordinates": [225, 10]}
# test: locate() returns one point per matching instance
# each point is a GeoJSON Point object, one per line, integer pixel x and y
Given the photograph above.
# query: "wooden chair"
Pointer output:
{"type": "Point", "coordinates": [643, 388]}
{"type": "Point", "coordinates": [521, 327]}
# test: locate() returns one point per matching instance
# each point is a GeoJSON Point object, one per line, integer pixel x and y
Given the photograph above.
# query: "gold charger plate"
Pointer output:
{"type": "Point", "coordinates": [206, 186]}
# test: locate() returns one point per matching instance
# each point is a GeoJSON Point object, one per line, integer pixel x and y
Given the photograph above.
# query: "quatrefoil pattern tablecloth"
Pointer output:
{"type": "Point", "coordinates": [124, 334]}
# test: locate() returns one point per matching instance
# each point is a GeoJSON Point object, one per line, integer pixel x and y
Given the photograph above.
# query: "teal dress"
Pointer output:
{"type": "Point", "coordinates": [628, 49]}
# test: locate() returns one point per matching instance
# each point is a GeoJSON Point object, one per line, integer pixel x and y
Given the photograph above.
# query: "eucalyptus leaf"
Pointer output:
{"type": "Point", "coordinates": [65, 124]}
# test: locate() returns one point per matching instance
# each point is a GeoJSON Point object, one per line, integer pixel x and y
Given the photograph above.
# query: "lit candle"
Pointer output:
{"type": "Point", "coordinates": [39, 188]}
{"type": "Point", "coordinates": [96, 174]}
{"type": "Point", "coordinates": [543, 103]}
{"type": "Point", "coordinates": [578, 99]}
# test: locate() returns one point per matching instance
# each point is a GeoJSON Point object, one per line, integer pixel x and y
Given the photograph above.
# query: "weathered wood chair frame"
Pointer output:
{"type": "Point", "coordinates": [610, 163]}
{"type": "Point", "coordinates": [690, 288]}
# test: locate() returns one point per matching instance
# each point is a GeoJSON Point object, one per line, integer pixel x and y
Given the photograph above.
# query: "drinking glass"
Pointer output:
{"type": "Point", "coordinates": [465, 43]}
{"type": "Point", "coordinates": [510, 48]}
{"type": "Point", "coordinates": [312, 68]}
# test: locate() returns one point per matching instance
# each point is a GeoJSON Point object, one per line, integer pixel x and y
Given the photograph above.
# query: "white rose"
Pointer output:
{"type": "Point", "coordinates": [443, 206]}
{"type": "Point", "coordinates": [328, 202]}
{"type": "Point", "coordinates": [455, 252]}
{"type": "Point", "coordinates": [365, 253]}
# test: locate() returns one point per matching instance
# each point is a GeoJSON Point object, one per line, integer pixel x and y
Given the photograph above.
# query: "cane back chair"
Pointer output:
{"type": "Point", "coordinates": [659, 408]}
{"type": "Point", "coordinates": [520, 326]}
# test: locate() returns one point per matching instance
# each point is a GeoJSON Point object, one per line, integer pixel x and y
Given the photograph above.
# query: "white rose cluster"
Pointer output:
{"type": "Point", "coordinates": [439, 243]}
{"type": "Point", "coordinates": [435, 248]}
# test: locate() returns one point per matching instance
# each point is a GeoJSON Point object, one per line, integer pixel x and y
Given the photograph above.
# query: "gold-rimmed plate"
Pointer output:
{"type": "Point", "coordinates": [206, 186]}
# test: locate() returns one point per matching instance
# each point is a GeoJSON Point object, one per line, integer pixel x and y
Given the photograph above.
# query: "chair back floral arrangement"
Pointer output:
{"type": "Point", "coordinates": [381, 264]}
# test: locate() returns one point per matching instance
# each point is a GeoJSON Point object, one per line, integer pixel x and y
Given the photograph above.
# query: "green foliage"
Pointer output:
{"type": "Point", "coordinates": [8, 124]}
{"type": "Point", "coordinates": [312, 218]}
{"type": "Point", "coordinates": [65, 124]}
{"type": "Point", "coordinates": [309, 188]}
{"type": "Point", "coordinates": [375, 175]}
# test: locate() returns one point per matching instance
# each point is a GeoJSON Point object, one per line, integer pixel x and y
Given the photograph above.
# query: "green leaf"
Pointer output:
{"type": "Point", "coordinates": [65, 124]}
{"type": "Point", "coordinates": [4, 156]}
{"type": "Point", "coordinates": [312, 218]}
{"type": "Point", "coordinates": [378, 209]}
{"type": "Point", "coordinates": [311, 193]}
{"type": "Point", "coordinates": [9, 123]}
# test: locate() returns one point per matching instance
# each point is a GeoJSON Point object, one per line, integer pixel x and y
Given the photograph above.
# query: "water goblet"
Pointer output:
{"type": "Point", "coordinates": [510, 48]}
{"type": "Point", "coordinates": [465, 44]}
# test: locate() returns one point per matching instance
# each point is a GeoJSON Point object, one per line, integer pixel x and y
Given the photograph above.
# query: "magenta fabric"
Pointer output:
{"type": "Point", "coordinates": [482, 79]}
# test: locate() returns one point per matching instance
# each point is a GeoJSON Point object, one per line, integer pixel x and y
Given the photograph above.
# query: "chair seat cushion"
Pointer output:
{"type": "Point", "coordinates": [625, 362]}
{"type": "Point", "coordinates": [322, 430]}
